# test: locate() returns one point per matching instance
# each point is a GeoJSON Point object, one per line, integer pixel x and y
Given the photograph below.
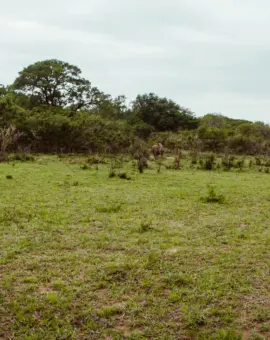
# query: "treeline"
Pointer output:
{"type": "Point", "coordinates": [50, 108]}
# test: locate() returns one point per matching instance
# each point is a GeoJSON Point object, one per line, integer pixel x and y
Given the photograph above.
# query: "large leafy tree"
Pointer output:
{"type": "Point", "coordinates": [56, 83]}
{"type": "Point", "coordinates": [162, 113]}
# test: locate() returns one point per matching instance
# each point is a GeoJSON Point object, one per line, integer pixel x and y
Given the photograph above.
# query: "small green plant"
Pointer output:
{"type": "Point", "coordinates": [22, 158]}
{"type": "Point", "coordinates": [227, 334]}
{"type": "Point", "coordinates": [145, 226]}
{"type": "Point", "coordinates": [239, 163]}
{"type": "Point", "coordinates": [124, 175]}
{"type": "Point", "coordinates": [227, 163]}
{"type": "Point", "coordinates": [95, 160]}
{"type": "Point", "coordinates": [142, 163]}
{"type": "Point", "coordinates": [212, 196]}
{"type": "Point", "coordinates": [108, 209]}
{"type": "Point", "coordinates": [250, 163]}
{"type": "Point", "coordinates": [258, 161]}
{"type": "Point", "coordinates": [52, 297]}
{"type": "Point", "coordinates": [209, 162]}
{"type": "Point", "coordinates": [85, 167]}
{"type": "Point", "coordinates": [112, 173]}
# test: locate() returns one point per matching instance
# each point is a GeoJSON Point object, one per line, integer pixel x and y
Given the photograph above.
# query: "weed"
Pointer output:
{"type": "Point", "coordinates": [177, 279]}
{"type": "Point", "coordinates": [256, 336]}
{"type": "Point", "coordinates": [85, 167]}
{"type": "Point", "coordinates": [22, 158]}
{"type": "Point", "coordinates": [96, 159]}
{"type": "Point", "coordinates": [239, 163]}
{"type": "Point", "coordinates": [258, 161]}
{"type": "Point", "coordinates": [212, 196]}
{"type": "Point", "coordinates": [52, 297]}
{"type": "Point", "coordinates": [123, 175]}
{"type": "Point", "coordinates": [228, 334]}
{"type": "Point", "coordinates": [142, 163]}
{"type": "Point", "coordinates": [227, 163]}
{"type": "Point", "coordinates": [145, 226]}
{"type": "Point", "coordinates": [112, 173]}
{"type": "Point", "coordinates": [209, 163]}
{"type": "Point", "coordinates": [107, 312]}
{"type": "Point", "coordinates": [108, 209]}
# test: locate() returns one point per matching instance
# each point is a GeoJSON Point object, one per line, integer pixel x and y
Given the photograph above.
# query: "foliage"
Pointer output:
{"type": "Point", "coordinates": [56, 110]}
{"type": "Point", "coordinates": [56, 83]}
{"type": "Point", "coordinates": [212, 196]}
{"type": "Point", "coordinates": [162, 113]}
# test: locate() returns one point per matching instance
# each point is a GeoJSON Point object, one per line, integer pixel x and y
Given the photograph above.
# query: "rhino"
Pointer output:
{"type": "Point", "coordinates": [157, 150]}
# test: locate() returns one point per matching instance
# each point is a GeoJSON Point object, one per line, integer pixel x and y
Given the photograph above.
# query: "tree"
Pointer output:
{"type": "Point", "coordinates": [162, 113]}
{"type": "Point", "coordinates": [213, 120]}
{"type": "Point", "coordinates": [56, 83]}
{"type": "Point", "coordinates": [3, 90]}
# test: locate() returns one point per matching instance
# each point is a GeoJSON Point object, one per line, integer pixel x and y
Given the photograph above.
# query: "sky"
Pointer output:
{"type": "Point", "coordinates": [211, 56]}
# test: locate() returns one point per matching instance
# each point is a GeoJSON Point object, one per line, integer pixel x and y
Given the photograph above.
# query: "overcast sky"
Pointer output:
{"type": "Point", "coordinates": [208, 55]}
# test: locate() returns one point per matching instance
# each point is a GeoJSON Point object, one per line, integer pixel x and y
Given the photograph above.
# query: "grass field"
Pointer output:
{"type": "Point", "coordinates": [85, 256]}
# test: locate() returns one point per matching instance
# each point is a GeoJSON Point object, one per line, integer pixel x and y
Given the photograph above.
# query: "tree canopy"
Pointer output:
{"type": "Point", "coordinates": [162, 113]}
{"type": "Point", "coordinates": [56, 83]}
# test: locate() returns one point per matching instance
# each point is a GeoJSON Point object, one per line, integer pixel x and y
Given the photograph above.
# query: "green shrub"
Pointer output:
{"type": "Point", "coordinates": [22, 157]}
{"type": "Point", "coordinates": [123, 175]}
{"type": "Point", "coordinates": [212, 196]}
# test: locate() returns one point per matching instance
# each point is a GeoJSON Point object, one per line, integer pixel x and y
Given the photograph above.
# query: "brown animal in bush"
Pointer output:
{"type": "Point", "coordinates": [157, 150]}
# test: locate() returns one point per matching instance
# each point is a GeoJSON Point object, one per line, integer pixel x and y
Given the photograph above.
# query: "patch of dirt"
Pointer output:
{"type": "Point", "coordinates": [45, 289]}
{"type": "Point", "coordinates": [174, 250]}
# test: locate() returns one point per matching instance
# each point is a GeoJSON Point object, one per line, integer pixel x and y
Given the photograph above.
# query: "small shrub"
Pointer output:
{"type": "Point", "coordinates": [123, 175]}
{"type": "Point", "coordinates": [212, 196]}
{"type": "Point", "coordinates": [227, 334]}
{"type": "Point", "coordinates": [107, 312]}
{"type": "Point", "coordinates": [227, 163]}
{"type": "Point", "coordinates": [177, 279]}
{"type": "Point", "coordinates": [9, 177]}
{"type": "Point", "coordinates": [267, 162]}
{"type": "Point", "coordinates": [142, 163]}
{"type": "Point", "coordinates": [258, 161]}
{"type": "Point", "coordinates": [22, 158]}
{"type": "Point", "coordinates": [208, 165]}
{"type": "Point", "coordinates": [145, 226]}
{"type": "Point", "coordinates": [108, 209]}
{"type": "Point", "coordinates": [112, 173]}
{"type": "Point", "coordinates": [209, 162]}
{"type": "Point", "coordinates": [250, 163]}
{"type": "Point", "coordinates": [239, 163]}
{"type": "Point", "coordinates": [52, 297]}
{"type": "Point", "coordinates": [95, 160]}
{"type": "Point", "coordinates": [85, 167]}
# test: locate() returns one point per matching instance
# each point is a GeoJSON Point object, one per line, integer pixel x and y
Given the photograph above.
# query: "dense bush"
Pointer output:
{"type": "Point", "coordinates": [76, 117]}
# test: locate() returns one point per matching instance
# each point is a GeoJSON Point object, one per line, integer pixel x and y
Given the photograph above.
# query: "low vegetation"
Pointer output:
{"type": "Point", "coordinates": [85, 256]}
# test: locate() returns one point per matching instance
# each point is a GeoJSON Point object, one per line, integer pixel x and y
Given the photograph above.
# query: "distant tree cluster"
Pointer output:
{"type": "Point", "coordinates": [54, 109]}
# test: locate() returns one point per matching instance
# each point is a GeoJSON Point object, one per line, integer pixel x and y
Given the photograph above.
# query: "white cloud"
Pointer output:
{"type": "Point", "coordinates": [210, 55]}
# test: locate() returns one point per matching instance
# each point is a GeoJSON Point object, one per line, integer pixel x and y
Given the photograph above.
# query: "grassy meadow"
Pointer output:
{"type": "Point", "coordinates": [85, 256]}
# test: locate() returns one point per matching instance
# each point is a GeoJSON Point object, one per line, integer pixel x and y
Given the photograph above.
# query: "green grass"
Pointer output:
{"type": "Point", "coordinates": [85, 256]}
